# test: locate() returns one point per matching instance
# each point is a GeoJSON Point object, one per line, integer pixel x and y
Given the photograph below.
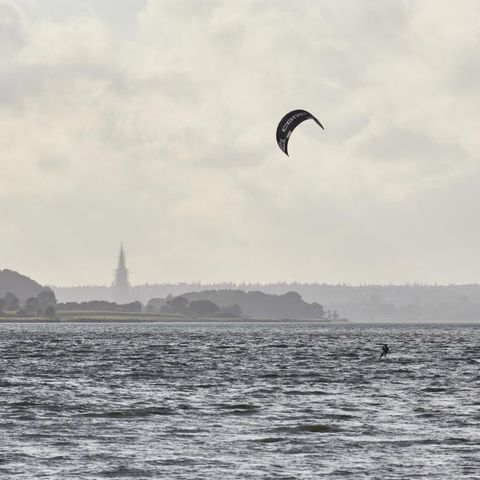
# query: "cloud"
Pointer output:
{"type": "Point", "coordinates": [12, 25]}
{"type": "Point", "coordinates": [164, 137]}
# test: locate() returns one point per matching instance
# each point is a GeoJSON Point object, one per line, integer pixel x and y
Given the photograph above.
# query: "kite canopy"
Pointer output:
{"type": "Point", "coordinates": [288, 124]}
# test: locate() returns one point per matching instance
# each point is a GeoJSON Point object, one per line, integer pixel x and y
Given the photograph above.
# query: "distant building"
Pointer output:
{"type": "Point", "coordinates": [121, 285]}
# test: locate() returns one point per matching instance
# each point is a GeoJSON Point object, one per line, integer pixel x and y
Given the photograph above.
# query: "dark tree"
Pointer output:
{"type": "Point", "coordinates": [178, 305]}
{"type": "Point", "coordinates": [318, 309]}
{"type": "Point", "coordinates": [154, 305]}
{"type": "Point", "coordinates": [12, 303]}
{"type": "Point", "coordinates": [134, 307]}
{"type": "Point", "coordinates": [32, 306]}
{"type": "Point", "coordinates": [202, 308]}
{"type": "Point", "coordinates": [46, 298]}
{"type": "Point", "coordinates": [50, 311]}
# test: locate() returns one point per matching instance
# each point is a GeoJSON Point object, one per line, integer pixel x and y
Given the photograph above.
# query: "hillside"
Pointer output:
{"type": "Point", "coordinates": [21, 286]}
{"type": "Point", "coordinates": [261, 305]}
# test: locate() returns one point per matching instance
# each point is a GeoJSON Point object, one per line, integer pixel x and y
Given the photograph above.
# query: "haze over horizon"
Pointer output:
{"type": "Point", "coordinates": [153, 123]}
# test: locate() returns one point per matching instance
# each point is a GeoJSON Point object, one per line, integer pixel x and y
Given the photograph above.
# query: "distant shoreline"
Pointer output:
{"type": "Point", "coordinates": [129, 321]}
{"type": "Point", "coordinates": [87, 320]}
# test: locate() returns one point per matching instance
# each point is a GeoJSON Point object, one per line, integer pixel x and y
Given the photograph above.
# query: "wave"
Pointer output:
{"type": "Point", "coordinates": [123, 471]}
{"type": "Point", "coordinates": [240, 408]}
{"type": "Point", "coordinates": [130, 413]}
{"type": "Point", "coordinates": [307, 428]}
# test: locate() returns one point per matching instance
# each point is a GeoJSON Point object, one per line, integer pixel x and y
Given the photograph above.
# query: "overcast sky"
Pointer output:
{"type": "Point", "coordinates": [153, 123]}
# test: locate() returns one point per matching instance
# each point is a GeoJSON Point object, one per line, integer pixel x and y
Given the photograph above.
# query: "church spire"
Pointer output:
{"type": "Point", "coordinates": [121, 258]}
{"type": "Point", "coordinates": [121, 284]}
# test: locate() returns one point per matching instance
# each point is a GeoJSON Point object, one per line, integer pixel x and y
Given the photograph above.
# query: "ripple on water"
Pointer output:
{"type": "Point", "coordinates": [130, 413]}
{"type": "Point", "coordinates": [239, 401]}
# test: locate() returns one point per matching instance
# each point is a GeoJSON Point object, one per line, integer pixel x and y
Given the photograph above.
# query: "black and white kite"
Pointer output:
{"type": "Point", "coordinates": [288, 124]}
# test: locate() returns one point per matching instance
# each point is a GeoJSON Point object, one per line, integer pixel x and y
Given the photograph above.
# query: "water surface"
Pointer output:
{"type": "Point", "coordinates": [239, 401]}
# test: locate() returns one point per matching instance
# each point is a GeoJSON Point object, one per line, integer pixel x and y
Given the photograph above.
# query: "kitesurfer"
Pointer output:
{"type": "Point", "coordinates": [385, 350]}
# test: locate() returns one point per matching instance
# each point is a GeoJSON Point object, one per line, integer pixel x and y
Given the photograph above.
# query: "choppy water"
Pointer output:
{"type": "Point", "coordinates": [219, 401]}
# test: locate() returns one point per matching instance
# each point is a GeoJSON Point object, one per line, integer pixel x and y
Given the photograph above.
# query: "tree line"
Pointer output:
{"type": "Point", "coordinates": [100, 306]}
{"type": "Point", "coordinates": [181, 305]}
{"type": "Point", "coordinates": [41, 305]}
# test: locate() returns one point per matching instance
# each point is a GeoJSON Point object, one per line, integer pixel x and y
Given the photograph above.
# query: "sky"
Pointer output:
{"type": "Point", "coordinates": [152, 123]}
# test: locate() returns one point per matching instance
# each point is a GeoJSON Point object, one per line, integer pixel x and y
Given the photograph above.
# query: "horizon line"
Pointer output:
{"type": "Point", "coordinates": [276, 283]}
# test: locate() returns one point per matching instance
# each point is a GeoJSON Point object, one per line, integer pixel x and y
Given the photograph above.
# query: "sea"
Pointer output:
{"type": "Point", "coordinates": [239, 401]}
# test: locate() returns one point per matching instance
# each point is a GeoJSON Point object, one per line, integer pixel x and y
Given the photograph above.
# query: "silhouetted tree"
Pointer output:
{"type": "Point", "coordinates": [12, 303]}
{"type": "Point", "coordinates": [154, 305]}
{"type": "Point", "coordinates": [318, 309]}
{"type": "Point", "coordinates": [32, 306]}
{"type": "Point", "coordinates": [178, 305]}
{"type": "Point", "coordinates": [202, 308]}
{"type": "Point", "coordinates": [46, 298]}
{"type": "Point", "coordinates": [134, 307]}
{"type": "Point", "coordinates": [50, 311]}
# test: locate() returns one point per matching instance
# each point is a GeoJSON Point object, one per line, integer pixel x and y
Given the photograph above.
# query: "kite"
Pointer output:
{"type": "Point", "coordinates": [288, 124]}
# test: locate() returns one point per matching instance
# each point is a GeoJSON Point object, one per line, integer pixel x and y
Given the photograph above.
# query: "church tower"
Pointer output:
{"type": "Point", "coordinates": [121, 286]}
